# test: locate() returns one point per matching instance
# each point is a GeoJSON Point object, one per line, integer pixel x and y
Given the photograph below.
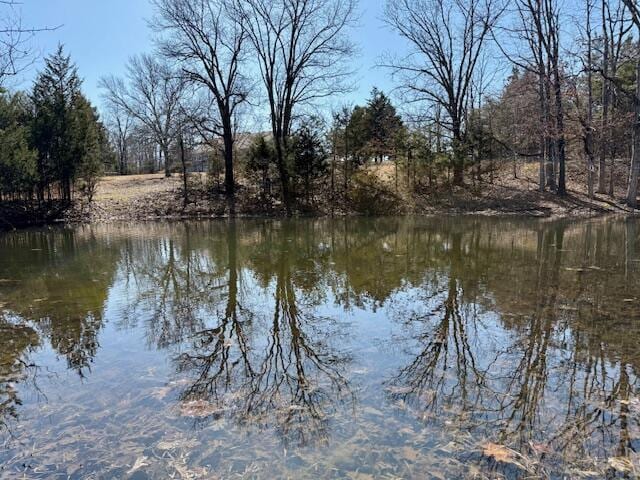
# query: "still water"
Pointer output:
{"type": "Point", "coordinates": [354, 348]}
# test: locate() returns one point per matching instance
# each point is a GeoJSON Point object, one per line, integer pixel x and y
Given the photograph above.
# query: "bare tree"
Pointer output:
{"type": "Point", "coordinates": [551, 17]}
{"type": "Point", "coordinates": [537, 26]}
{"type": "Point", "coordinates": [447, 38]}
{"type": "Point", "coordinates": [634, 171]}
{"type": "Point", "coordinates": [15, 51]}
{"type": "Point", "coordinates": [587, 123]}
{"type": "Point", "coordinates": [152, 96]}
{"type": "Point", "coordinates": [301, 48]}
{"type": "Point", "coordinates": [120, 124]}
{"type": "Point", "coordinates": [530, 29]}
{"type": "Point", "coordinates": [615, 27]}
{"type": "Point", "coordinates": [208, 41]}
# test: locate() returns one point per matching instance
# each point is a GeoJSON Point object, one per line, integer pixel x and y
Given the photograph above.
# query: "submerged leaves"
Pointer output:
{"type": "Point", "coordinates": [199, 409]}
{"type": "Point", "coordinates": [503, 454]}
{"type": "Point", "coordinates": [140, 462]}
{"type": "Point", "coordinates": [621, 464]}
{"type": "Point", "coordinates": [499, 453]}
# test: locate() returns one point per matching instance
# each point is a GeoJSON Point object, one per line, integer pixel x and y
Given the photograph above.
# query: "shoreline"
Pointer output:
{"type": "Point", "coordinates": [153, 198]}
{"type": "Point", "coordinates": [491, 213]}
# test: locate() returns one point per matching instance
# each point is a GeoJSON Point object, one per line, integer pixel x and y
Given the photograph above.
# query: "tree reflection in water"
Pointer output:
{"type": "Point", "coordinates": [561, 380]}
{"type": "Point", "coordinates": [15, 367]}
{"type": "Point", "coordinates": [292, 378]}
{"type": "Point", "coordinates": [520, 333]}
{"type": "Point", "coordinates": [282, 369]}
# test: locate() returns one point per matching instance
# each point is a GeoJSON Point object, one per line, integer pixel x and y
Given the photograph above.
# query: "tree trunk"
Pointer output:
{"type": "Point", "coordinates": [167, 161]}
{"type": "Point", "coordinates": [604, 126]}
{"type": "Point", "coordinates": [333, 168]}
{"type": "Point", "coordinates": [66, 189]}
{"type": "Point", "coordinates": [604, 140]}
{"type": "Point", "coordinates": [544, 112]}
{"type": "Point", "coordinates": [229, 181]}
{"type": "Point", "coordinates": [550, 175]}
{"type": "Point", "coordinates": [346, 159]}
{"type": "Point", "coordinates": [588, 135]}
{"type": "Point", "coordinates": [543, 143]}
{"type": "Point", "coordinates": [458, 158]}
{"type": "Point", "coordinates": [395, 162]}
{"type": "Point", "coordinates": [634, 171]}
{"type": "Point", "coordinates": [183, 162]}
{"type": "Point", "coordinates": [284, 175]}
{"type": "Point", "coordinates": [557, 87]}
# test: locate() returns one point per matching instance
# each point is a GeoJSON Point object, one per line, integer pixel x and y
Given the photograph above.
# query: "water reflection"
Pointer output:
{"type": "Point", "coordinates": [515, 332]}
{"type": "Point", "coordinates": [17, 341]}
{"type": "Point", "coordinates": [280, 368]}
{"type": "Point", "coordinates": [59, 283]}
{"type": "Point", "coordinates": [560, 380]}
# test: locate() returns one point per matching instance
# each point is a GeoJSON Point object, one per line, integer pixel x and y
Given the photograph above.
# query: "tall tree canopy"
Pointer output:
{"type": "Point", "coordinates": [66, 131]}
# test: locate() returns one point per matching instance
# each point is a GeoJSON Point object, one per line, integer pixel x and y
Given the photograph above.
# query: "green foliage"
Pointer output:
{"type": "Point", "coordinates": [479, 134]}
{"type": "Point", "coordinates": [260, 159]}
{"type": "Point", "coordinates": [55, 95]}
{"type": "Point", "coordinates": [384, 126]}
{"type": "Point", "coordinates": [51, 141]}
{"type": "Point", "coordinates": [358, 135]}
{"type": "Point", "coordinates": [90, 148]}
{"type": "Point", "coordinates": [422, 156]}
{"type": "Point", "coordinates": [370, 132]}
{"type": "Point", "coordinates": [260, 155]}
{"type": "Point", "coordinates": [309, 155]}
{"type": "Point", "coordinates": [17, 160]}
{"type": "Point", "coordinates": [64, 131]}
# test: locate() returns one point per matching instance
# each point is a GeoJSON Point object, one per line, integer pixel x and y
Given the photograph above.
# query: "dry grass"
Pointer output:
{"type": "Point", "coordinates": [140, 197]}
{"type": "Point", "coordinates": [132, 187]}
{"type": "Point", "coordinates": [509, 195]}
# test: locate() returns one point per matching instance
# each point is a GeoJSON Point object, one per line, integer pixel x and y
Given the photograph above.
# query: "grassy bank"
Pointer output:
{"type": "Point", "coordinates": [371, 192]}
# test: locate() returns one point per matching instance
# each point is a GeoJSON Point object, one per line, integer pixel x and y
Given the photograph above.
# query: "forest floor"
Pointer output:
{"type": "Point", "coordinates": [146, 197]}
{"type": "Point", "coordinates": [510, 195]}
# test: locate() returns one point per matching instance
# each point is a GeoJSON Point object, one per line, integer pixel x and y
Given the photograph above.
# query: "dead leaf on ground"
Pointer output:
{"type": "Point", "coordinates": [541, 448]}
{"type": "Point", "coordinates": [360, 476]}
{"type": "Point", "coordinates": [176, 444]}
{"type": "Point", "coordinates": [567, 308]}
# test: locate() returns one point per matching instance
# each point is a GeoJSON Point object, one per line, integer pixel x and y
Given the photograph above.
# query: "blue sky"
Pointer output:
{"type": "Point", "coordinates": [101, 35]}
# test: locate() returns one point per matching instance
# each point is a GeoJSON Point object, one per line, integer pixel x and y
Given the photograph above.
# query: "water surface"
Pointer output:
{"type": "Point", "coordinates": [353, 348]}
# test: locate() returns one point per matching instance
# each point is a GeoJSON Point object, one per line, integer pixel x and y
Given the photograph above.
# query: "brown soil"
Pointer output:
{"type": "Point", "coordinates": [147, 197]}
{"type": "Point", "coordinates": [518, 196]}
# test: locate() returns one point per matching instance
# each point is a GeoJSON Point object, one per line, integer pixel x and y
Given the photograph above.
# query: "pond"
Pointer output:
{"type": "Point", "coordinates": [349, 348]}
